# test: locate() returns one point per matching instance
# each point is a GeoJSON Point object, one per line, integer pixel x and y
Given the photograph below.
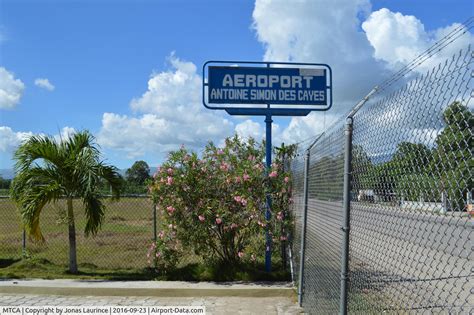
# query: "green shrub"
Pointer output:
{"type": "Point", "coordinates": [214, 206]}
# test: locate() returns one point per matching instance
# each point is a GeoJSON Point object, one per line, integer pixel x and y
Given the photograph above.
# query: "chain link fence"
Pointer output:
{"type": "Point", "coordinates": [122, 243]}
{"type": "Point", "coordinates": [384, 223]}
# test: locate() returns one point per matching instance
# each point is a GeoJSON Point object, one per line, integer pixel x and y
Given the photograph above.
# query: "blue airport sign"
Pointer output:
{"type": "Point", "coordinates": [279, 89]}
{"type": "Point", "coordinates": [267, 89]}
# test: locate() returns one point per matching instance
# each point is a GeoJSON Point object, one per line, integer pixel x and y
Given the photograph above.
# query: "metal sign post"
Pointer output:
{"type": "Point", "coordinates": [268, 214]}
{"type": "Point", "coordinates": [267, 89]}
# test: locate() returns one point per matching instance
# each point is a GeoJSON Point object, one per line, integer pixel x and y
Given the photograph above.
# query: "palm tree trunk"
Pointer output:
{"type": "Point", "coordinates": [72, 237]}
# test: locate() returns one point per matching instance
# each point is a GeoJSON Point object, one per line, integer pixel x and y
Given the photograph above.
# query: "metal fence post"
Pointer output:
{"type": "Point", "coordinates": [303, 230]}
{"type": "Point", "coordinates": [23, 244]}
{"type": "Point", "coordinates": [346, 215]}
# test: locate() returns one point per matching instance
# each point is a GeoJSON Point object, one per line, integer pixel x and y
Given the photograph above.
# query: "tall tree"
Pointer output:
{"type": "Point", "coordinates": [410, 170]}
{"type": "Point", "coordinates": [138, 173]}
{"type": "Point", "coordinates": [452, 159]}
{"type": "Point", "coordinates": [48, 170]}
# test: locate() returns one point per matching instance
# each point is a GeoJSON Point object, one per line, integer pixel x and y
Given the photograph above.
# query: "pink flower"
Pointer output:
{"type": "Point", "coordinates": [218, 220]}
{"type": "Point", "coordinates": [273, 174]}
{"type": "Point", "coordinates": [169, 181]}
{"type": "Point", "coordinates": [201, 218]}
{"type": "Point", "coordinates": [220, 152]}
{"type": "Point", "coordinates": [224, 166]}
{"type": "Point", "coordinates": [283, 238]}
{"type": "Point", "coordinates": [279, 216]}
{"type": "Point", "coordinates": [246, 177]}
{"type": "Point", "coordinates": [251, 158]}
{"type": "Point", "coordinates": [238, 198]}
{"type": "Point", "coordinates": [287, 179]}
{"type": "Point", "coordinates": [233, 226]}
{"type": "Point", "coordinates": [240, 254]}
{"type": "Point", "coordinates": [169, 171]}
{"type": "Point", "coordinates": [170, 209]}
{"type": "Point", "coordinates": [158, 254]}
{"type": "Point", "coordinates": [161, 235]}
{"type": "Point", "coordinates": [244, 202]}
{"type": "Point", "coordinates": [238, 180]}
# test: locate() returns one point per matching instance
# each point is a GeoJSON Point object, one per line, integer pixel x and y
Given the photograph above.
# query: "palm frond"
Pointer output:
{"type": "Point", "coordinates": [39, 189]}
{"type": "Point", "coordinates": [37, 147]}
{"type": "Point", "coordinates": [71, 168]}
{"type": "Point", "coordinates": [80, 141]}
{"type": "Point", "coordinates": [94, 210]}
{"type": "Point", "coordinates": [112, 176]}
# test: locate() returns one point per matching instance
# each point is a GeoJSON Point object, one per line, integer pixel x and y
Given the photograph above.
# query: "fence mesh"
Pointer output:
{"type": "Point", "coordinates": [297, 168]}
{"type": "Point", "coordinates": [411, 200]}
{"type": "Point", "coordinates": [323, 234]}
{"type": "Point", "coordinates": [411, 237]}
{"type": "Point", "coordinates": [122, 242]}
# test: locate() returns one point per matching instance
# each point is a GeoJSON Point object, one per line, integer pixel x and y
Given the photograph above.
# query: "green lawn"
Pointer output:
{"type": "Point", "coordinates": [121, 243]}
{"type": "Point", "coordinates": [118, 252]}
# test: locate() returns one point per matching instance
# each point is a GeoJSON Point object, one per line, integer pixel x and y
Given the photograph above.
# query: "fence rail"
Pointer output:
{"type": "Point", "coordinates": [397, 236]}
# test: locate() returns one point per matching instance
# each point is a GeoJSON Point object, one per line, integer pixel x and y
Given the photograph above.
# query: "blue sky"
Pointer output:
{"type": "Point", "coordinates": [129, 71]}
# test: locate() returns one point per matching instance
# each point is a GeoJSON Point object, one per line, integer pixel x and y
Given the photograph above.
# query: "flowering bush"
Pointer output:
{"type": "Point", "coordinates": [214, 206]}
{"type": "Point", "coordinates": [164, 254]}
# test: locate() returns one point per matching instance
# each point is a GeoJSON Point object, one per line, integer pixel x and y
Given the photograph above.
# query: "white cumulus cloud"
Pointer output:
{"type": "Point", "coordinates": [397, 39]}
{"type": "Point", "coordinates": [65, 134]}
{"type": "Point", "coordinates": [11, 89]}
{"type": "Point", "coordinates": [362, 47]}
{"type": "Point", "coordinates": [10, 140]}
{"type": "Point", "coordinates": [320, 32]}
{"type": "Point", "coordinates": [249, 128]}
{"type": "Point", "coordinates": [168, 114]}
{"type": "Point", "coordinates": [44, 84]}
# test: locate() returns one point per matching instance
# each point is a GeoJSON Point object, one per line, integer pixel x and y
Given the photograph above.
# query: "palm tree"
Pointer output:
{"type": "Point", "coordinates": [47, 170]}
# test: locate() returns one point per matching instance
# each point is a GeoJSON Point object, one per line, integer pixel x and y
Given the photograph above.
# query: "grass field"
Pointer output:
{"type": "Point", "coordinates": [121, 243]}
{"type": "Point", "coordinates": [117, 252]}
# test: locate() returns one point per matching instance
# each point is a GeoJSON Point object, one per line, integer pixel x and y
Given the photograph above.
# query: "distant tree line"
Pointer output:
{"type": "Point", "coordinates": [5, 183]}
{"type": "Point", "coordinates": [135, 181]}
{"type": "Point", "coordinates": [417, 172]}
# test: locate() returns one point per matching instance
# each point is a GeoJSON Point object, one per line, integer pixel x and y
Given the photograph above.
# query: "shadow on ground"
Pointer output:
{"type": "Point", "coordinates": [40, 268]}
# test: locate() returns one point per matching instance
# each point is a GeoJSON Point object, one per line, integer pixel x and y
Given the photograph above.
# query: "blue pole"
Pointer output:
{"type": "Point", "coordinates": [268, 157]}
